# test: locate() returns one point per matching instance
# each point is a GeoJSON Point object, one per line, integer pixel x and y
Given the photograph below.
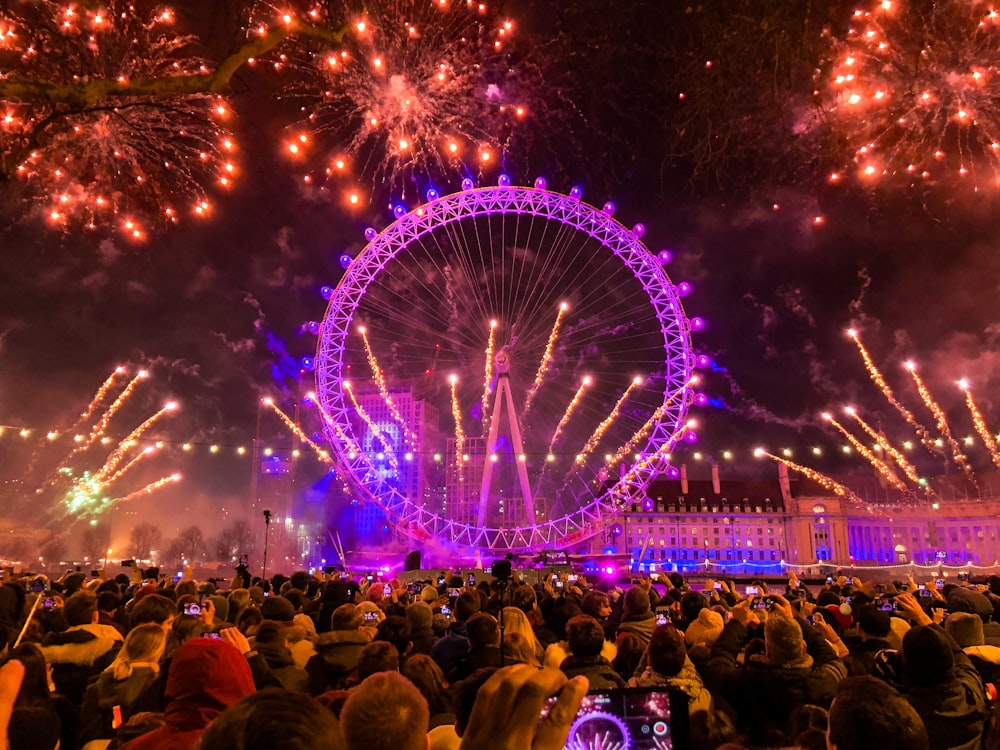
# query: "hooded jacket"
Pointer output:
{"type": "Point", "coordinates": [337, 654]}
{"type": "Point", "coordinates": [103, 694]}
{"type": "Point", "coordinates": [79, 653]}
{"type": "Point", "coordinates": [641, 625]}
{"type": "Point", "coordinates": [206, 677]}
{"type": "Point", "coordinates": [687, 681]}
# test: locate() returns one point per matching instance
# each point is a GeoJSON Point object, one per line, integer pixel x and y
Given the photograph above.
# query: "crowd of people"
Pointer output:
{"type": "Point", "coordinates": [330, 661]}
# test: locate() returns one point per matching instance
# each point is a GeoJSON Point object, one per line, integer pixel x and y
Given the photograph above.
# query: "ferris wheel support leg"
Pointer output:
{"type": "Point", "coordinates": [505, 398]}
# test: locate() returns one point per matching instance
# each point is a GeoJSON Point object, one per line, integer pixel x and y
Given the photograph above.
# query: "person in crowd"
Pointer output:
{"type": "Point", "coordinates": [207, 676]}
{"type": "Point", "coordinates": [449, 650]}
{"type": "Point", "coordinates": [337, 651]}
{"type": "Point", "coordinates": [518, 649]}
{"type": "Point", "coordinates": [598, 605]}
{"type": "Point", "coordinates": [39, 719]}
{"type": "Point", "coordinates": [667, 664]}
{"type": "Point", "coordinates": [484, 647]}
{"type": "Point", "coordinates": [420, 616]}
{"type": "Point", "coordinates": [869, 714]}
{"type": "Point", "coordinates": [109, 700]}
{"type": "Point", "coordinates": [967, 630]}
{"type": "Point", "coordinates": [585, 642]}
{"type": "Point", "coordinates": [426, 675]}
{"type": "Point", "coordinates": [272, 643]}
{"type": "Point", "coordinates": [395, 629]}
{"type": "Point", "coordinates": [637, 617]}
{"type": "Point", "coordinates": [387, 712]}
{"type": "Point", "coordinates": [873, 628]}
{"type": "Point", "coordinates": [274, 718]}
{"type": "Point", "coordinates": [515, 621]}
{"type": "Point", "coordinates": [301, 637]}
{"type": "Point", "coordinates": [629, 651]}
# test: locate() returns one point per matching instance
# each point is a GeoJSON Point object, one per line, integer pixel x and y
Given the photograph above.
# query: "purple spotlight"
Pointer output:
{"type": "Point", "coordinates": [345, 260]}
{"type": "Point", "coordinates": [432, 194]}
{"type": "Point", "coordinates": [702, 361]}
{"type": "Point", "coordinates": [700, 399]}
{"type": "Point", "coordinates": [371, 233]}
{"type": "Point", "coordinates": [540, 183]}
{"type": "Point", "coordinates": [326, 292]}
{"type": "Point", "coordinates": [697, 324]}
{"type": "Point", "coordinates": [691, 437]}
{"type": "Point", "coordinates": [467, 184]}
{"type": "Point", "coordinates": [312, 326]}
{"type": "Point", "coordinates": [639, 229]}
{"type": "Point", "coordinates": [504, 181]}
{"type": "Point", "coordinates": [307, 364]}
{"type": "Point", "coordinates": [684, 289]}
{"type": "Point", "coordinates": [673, 472]}
{"type": "Point", "coordinates": [576, 192]}
{"type": "Point", "coordinates": [399, 210]}
{"type": "Point", "coordinates": [609, 208]}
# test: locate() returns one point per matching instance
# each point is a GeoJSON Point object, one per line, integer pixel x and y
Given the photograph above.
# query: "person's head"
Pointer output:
{"type": "Point", "coordinates": [467, 605]}
{"type": "Point", "coordinates": [596, 604]}
{"type": "Point", "coordinates": [152, 608]}
{"type": "Point", "coordinates": [705, 629]}
{"type": "Point", "coordinates": [636, 603]}
{"type": "Point", "coordinates": [385, 712]}
{"type": "Point", "coordinates": [186, 627]}
{"type": "Point", "coordinates": [516, 621]}
{"type": "Point", "coordinates": [239, 599]}
{"type": "Point", "coordinates": [143, 646]}
{"type": "Point", "coordinates": [346, 617]}
{"type": "Point", "coordinates": [377, 656]}
{"type": "Point", "coordinates": [873, 623]}
{"type": "Point", "coordinates": [630, 649]}
{"type": "Point", "coordinates": [483, 630]}
{"type": "Point", "coordinates": [524, 598]}
{"type": "Point", "coordinates": [869, 714]}
{"type": "Point", "coordinates": [35, 685]}
{"type": "Point", "coordinates": [783, 642]}
{"type": "Point", "coordinates": [80, 608]}
{"type": "Point", "coordinates": [927, 656]}
{"type": "Point", "coordinates": [424, 672]}
{"type": "Point", "coordinates": [420, 616]}
{"type": "Point", "coordinates": [207, 676]}
{"type": "Point", "coordinates": [249, 620]}
{"type": "Point", "coordinates": [274, 718]}
{"type": "Point", "coordinates": [585, 636]}
{"type": "Point", "coordinates": [300, 581]}
{"type": "Point", "coordinates": [517, 648]}
{"type": "Point", "coordinates": [692, 603]}
{"type": "Point", "coordinates": [667, 651]}
{"type": "Point", "coordinates": [395, 629]}
{"type": "Point", "coordinates": [966, 629]}
{"type": "Point", "coordinates": [278, 609]}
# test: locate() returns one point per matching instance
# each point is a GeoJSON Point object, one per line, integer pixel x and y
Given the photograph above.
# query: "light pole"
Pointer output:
{"type": "Point", "coordinates": [267, 528]}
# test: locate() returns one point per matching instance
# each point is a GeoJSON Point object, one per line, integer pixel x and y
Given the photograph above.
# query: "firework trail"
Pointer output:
{"type": "Point", "coordinates": [977, 419]}
{"type": "Point", "coordinates": [102, 423]}
{"type": "Point", "coordinates": [643, 431]}
{"type": "Point", "coordinates": [149, 489]}
{"type": "Point", "coordinates": [899, 458]}
{"type": "Point", "coordinates": [352, 446]}
{"type": "Point", "coordinates": [149, 450]}
{"type": "Point", "coordinates": [296, 430]}
{"type": "Point", "coordinates": [123, 447]}
{"type": "Point", "coordinates": [926, 439]}
{"type": "Point", "coordinates": [488, 376]}
{"type": "Point", "coordinates": [376, 430]}
{"type": "Point", "coordinates": [822, 479]}
{"type": "Point", "coordinates": [96, 400]}
{"type": "Point", "coordinates": [595, 438]}
{"type": "Point", "coordinates": [543, 366]}
{"type": "Point", "coordinates": [942, 423]}
{"type": "Point", "coordinates": [878, 464]}
{"type": "Point", "coordinates": [574, 402]}
{"type": "Point", "coordinates": [383, 388]}
{"type": "Point", "coordinates": [456, 413]}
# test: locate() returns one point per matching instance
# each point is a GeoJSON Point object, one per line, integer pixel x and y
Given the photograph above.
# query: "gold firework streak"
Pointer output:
{"type": "Point", "coordinates": [123, 447]}
{"type": "Point", "coordinates": [376, 430]}
{"type": "Point", "coordinates": [884, 444]}
{"type": "Point", "coordinates": [878, 464]}
{"type": "Point", "coordinates": [595, 438]}
{"type": "Point", "coordinates": [149, 489]}
{"type": "Point", "coordinates": [456, 413]}
{"type": "Point", "coordinates": [977, 419]}
{"type": "Point", "coordinates": [643, 431]}
{"type": "Point", "coordinates": [296, 430]}
{"type": "Point", "coordinates": [383, 389]}
{"type": "Point", "coordinates": [942, 423]}
{"type": "Point", "coordinates": [351, 446]}
{"type": "Point", "coordinates": [488, 376]}
{"type": "Point", "coordinates": [102, 424]}
{"type": "Point", "coordinates": [574, 402]}
{"type": "Point", "coordinates": [97, 399]}
{"type": "Point", "coordinates": [543, 366]}
{"type": "Point", "coordinates": [822, 479]}
{"type": "Point", "coordinates": [127, 467]}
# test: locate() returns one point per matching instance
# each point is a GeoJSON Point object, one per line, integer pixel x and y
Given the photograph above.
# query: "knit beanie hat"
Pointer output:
{"type": "Point", "coordinates": [636, 602]}
{"type": "Point", "coordinates": [783, 638]}
{"type": "Point", "coordinates": [419, 615]}
{"type": "Point", "coordinates": [706, 629]}
{"type": "Point", "coordinates": [966, 629]}
{"type": "Point", "coordinates": [221, 607]}
{"type": "Point", "coordinates": [277, 608]}
{"type": "Point", "coordinates": [429, 594]}
{"type": "Point", "coordinates": [927, 656]}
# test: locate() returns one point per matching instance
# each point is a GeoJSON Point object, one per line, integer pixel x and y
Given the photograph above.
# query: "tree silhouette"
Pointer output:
{"type": "Point", "coordinates": [144, 538]}
{"type": "Point", "coordinates": [233, 541]}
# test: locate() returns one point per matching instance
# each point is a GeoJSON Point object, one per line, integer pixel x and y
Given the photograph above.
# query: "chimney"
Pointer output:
{"type": "Point", "coordinates": [786, 487]}
{"type": "Point", "coordinates": [716, 484]}
{"type": "Point", "coordinates": [684, 479]}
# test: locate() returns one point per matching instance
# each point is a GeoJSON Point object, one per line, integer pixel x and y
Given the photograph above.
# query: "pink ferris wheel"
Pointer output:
{"type": "Point", "coordinates": [503, 368]}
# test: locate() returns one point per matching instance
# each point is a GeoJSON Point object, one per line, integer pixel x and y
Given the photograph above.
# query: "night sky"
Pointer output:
{"type": "Point", "coordinates": [215, 307]}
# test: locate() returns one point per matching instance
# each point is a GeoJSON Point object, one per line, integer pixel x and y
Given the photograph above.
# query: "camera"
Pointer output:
{"type": "Point", "coordinates": [446, 611]}
{"type": "Point", "coordinates": [192, 609]}
{"type": "Point", "coordinates": [501, 569]}
{"type": "Point", "coordinates": [637, 718]}
{"type": "Point", "coordinates": [387, 590]}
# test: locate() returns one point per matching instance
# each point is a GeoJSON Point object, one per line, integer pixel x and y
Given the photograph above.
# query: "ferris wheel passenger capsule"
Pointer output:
{"type": "Point", "coordinates": [370, 233]}
{"type": "Point", "coordinates": [639, 229]}
{"type": "Point", "coordinates": [326, 292]}
{"type": "Point", "coordinates": [504, 181]}
{"type": "Point", "coordinates": [609, 208]}
{"type": "Point", "coordinates": [684, 289]}
{"type": "Point", "coordinates": [432, 194]}
{"type": "Point", "coordinates": [576, 192]}
{"type": "Point", "coordinates": [399, 210]}
{"type": "Point", "coordinates": [697, 324]}
{"type": "Point", "coordinates": [664, 256]}
{"type": "Point", "coordinates": [467, 184]}
{"type": "Point", "coordinates": [540, 183]}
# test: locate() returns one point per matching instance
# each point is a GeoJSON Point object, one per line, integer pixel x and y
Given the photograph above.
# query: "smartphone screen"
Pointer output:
{"type": "Point", "coordinates": [635, 718]}
{"type": "Point", "coordinates": [752, 591]}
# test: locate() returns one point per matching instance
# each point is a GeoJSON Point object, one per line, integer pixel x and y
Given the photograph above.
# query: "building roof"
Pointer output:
{"type": "Point", "coordinates": [739, 496]}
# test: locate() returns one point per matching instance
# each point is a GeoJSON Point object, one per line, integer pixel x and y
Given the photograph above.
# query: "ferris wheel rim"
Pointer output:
{"type": "Point", "coordinates": [383, 247]}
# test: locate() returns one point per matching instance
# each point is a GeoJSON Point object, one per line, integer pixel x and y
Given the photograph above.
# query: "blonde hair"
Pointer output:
{"type": "Point", "coordinates": [515, 621]}
{"type": "Point", "coordinates": [143, 644]}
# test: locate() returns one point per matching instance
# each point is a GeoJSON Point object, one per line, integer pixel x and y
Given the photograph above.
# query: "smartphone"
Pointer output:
{"type": "Point", "coordinates": [370, 577]}
{"type": "Point", "coordinates": [559, 584]}
{"type": "Point", "coordinates": [829, 579]}
{"type": "Point", "coordinates": [38, 585]}
{"type": "Point", "coordinates": [213, 636]}
{"type": "Point", "coordinates": [97, 574]}
{"type": "Point", "coordinates": [889, 605]}
{"type": "Point", "coordinates": [661, 620]}
{"type": "Point", "coordinates": [761, 602]}
{"type": "Point", "coordinates": [128, 563]}
{"type": "Point", "coordinates": [370, 616]}
{"type": "Point", "coordinates": [415, 588]}
{"type": "Point", "coordinates": [662, 616]}
{"type": "Point", "coordinates": [387, 590]}
{"type": "Point", "coordinates": [634, 718]}
{"type": "Point", "coordinates": [440, 580]}
{"type": "Point", "coordinates": [446, 611]}
{"type": "Point", "coordinates": [454, 593]}
{"type": "Point", "coordinates": [192, 609]}
{"type": "Point", "coordinates": [924, 592]}
{"type": "Point", "coordinates": [878, 588]}
{"type": "Point", "coordinates": [962, 577]}
{"type": "Point", "coordinates": [939, 583]}
{"type": "Point", "coordinates": [472, 579]}
{"type": "Point", "coordinates": [811, 619]}
{"type": "Point", "coordinates": [752, 590]}
{"type": "Point", "coordinates": [202, 598]}
{"type": "Point", "coordinates": [573, 578]}
{"type": "Point", "coordinates": [243, 560]}
{"type": "Point", "coordinates": [717, 585]}
{"type": "Point", "coordinates": [48, 603]}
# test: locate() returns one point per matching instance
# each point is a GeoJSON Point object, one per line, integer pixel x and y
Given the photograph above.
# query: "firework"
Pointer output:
{"type": "Point", "coordinates": [149, 489]}
{"type": "Point", "coordinates": [419, 88]}
{"type": "Point", "coordinates": [376, 430]}
{"type": "Point", "coordinates": [98, 398]}
{"type": "Point", "coordinates": [383, 389]}
{"type": "Point", "coordinates": [336, 427]}
{"type": "Point", "coordinates": [296, 430]}
{"type": "Point", "coordinates": [977, 419]}
{"type": "Point", "coordinates": [488, 376]}
{"type": "Point", "coordinates": [598, 433]}
{"type": "Point", "coordinates": [822, 479]}
{"type": "Point", "coordinates": [102, 423]}
{"type": "Point", "coordinates": [942, 423]}
{"type": "Point", "coordinates": [144, 453]}
{"type": "Point", "coordinates": [878, 464]}
{"type": "Point", "coordinates": [643, 431]}
{"type": "Point", "coordinates": [119, 453]}
{"type": "Point", "coordinates": [574, 402]}
{"type": "Point", "coordinates": [543, 366]}
{"type": "Point", "coordinates": [915, 91]}
{"type": "Point", "coordinates": [456, 413]}
{"type": "Point", "coordinates": [107, 119]}
{"type": "Point", "coordinates": [884, 444]}
{"type": "Point", "coordinates": [875, 374]}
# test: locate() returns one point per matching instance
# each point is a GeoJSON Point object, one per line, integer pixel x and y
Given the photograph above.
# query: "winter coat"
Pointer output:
{"type": "Point", "coordinates": [640, 625]}
{"type": "Point", "coordinates": [862, 656]}
{"type": "Point", "coordinates": [597, 670]}
{"type": "Point", "coordinates": [986, 660]}
{"type": "Point", "coordinates": [687, 681]}
{"type": "Point", "coordinates": [78, 654]}
{"type": "Point", "coordinates": [451, 648]}
{"type": "Point", "coordinates": [337, 654]}
{"type": "Point", "coordinates": [282, 665]}
{"type": "Point", "coordinates": [104, 694]}
{"type": "Point", "coordinates": [206, 677]}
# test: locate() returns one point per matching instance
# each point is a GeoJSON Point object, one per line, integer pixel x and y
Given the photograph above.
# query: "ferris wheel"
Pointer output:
{"type": "Point", "coordinates": [504, 367]}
